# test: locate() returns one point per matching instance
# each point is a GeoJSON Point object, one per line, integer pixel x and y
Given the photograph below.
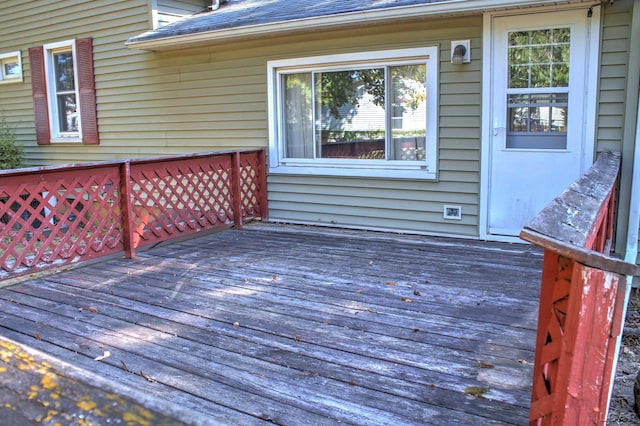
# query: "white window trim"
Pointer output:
{"type": "Point", "coordinates": [345, 167]}
{"type": "Point", "coordinates": [54, 123]}
{"type": "Point", "coordinates": [4, 79]}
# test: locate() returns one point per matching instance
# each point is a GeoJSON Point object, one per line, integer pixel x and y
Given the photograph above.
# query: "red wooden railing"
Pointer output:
{"type": "Point", "coordinates": [581, 300]}
{"type": "Point", "coordinates": [55, 216]}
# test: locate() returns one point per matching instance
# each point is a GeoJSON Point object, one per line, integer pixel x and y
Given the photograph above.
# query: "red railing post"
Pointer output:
{"type": "Point", "coordinates": [126, 210]}
{"type": "Point", "coordinates": [236, 193]}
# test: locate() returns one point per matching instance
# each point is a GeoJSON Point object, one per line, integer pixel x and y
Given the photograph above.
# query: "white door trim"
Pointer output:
{"type": "Point", "coordinates": [590, 90]}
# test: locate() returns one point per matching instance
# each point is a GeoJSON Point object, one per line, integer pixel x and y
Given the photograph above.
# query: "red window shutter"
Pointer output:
{"type": "Point", "coordinates": [86, 88]}
{"type": "Point", "coordinates": [39, 93]}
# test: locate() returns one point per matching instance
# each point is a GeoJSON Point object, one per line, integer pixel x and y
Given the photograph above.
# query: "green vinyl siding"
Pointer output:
{"type": "Point", "coordinates": [613, 96]}
{"type": "Point", "coordinates": [613, 73]}
{"type": "Point", "coordinates": [401, 204]}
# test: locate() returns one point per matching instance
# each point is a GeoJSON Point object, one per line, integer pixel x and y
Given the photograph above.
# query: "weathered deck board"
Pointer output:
{"type": "Point", "coordinates": [300, 326]}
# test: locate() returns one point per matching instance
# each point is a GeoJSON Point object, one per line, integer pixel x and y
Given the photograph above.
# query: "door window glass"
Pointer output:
{"type": "Point", "coordinates": [538, 89]}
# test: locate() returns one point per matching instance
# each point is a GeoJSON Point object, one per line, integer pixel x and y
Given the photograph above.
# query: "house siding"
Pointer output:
{"type": "Point", "coordinates": [109, 23]}
{"type": "Point", "coordinates": [613, 73]}
{"type": "Point", "coordinates": [401, 204]}
{"type": "Point", "coordinates": [612, 107]}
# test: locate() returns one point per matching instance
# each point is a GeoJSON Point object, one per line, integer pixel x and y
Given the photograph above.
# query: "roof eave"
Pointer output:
{"type": "Point", "coordinates": [331, 21]}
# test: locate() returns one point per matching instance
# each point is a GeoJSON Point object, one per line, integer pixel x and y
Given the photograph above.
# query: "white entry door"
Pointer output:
{"type": "Point", "coordinates": [541, 136]}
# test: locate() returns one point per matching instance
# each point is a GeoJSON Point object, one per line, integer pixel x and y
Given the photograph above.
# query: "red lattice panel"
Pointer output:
{"type": "Point", "coordinates": [173, 198]}
{"type": "Point", "coordinates": [554, 304]}
{"type": "Point", "coordinates": [251, 186]}
{"type": "Point", "coordinates": [58, 217]}
{"type": "Point", "coordinates": [580, 313]}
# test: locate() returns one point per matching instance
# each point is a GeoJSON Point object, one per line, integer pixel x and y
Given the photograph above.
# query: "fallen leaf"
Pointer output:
{"type": "Point", "coordinates": [359, 291]}
{"type": "Point", "coordinates": [477, 391]}
{"type": "Point", "coordinates": [326, 322]}
{"type": "Point", "coordinates": [92, 310]}
{"type": "Point", "coordinates": [275, 277]}
{"type": "Point", "coordinates": [149, 379]}
{"type": "Point", "coordinates": [106, 354]}
{"type": "Point", "coordinates": [391, 283]}
{"type": "Point", "coordinates": [37, 336]}
{"type": "Point", "coordinates": [486, 365]}
{"type": "Point", "coordinates": [406, 299]}
{"type": "Point", "coordinates": [297, 338]}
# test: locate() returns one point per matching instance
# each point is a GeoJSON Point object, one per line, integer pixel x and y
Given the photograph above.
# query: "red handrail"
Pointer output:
{"type": "Point", "coordinates": [51, 217]}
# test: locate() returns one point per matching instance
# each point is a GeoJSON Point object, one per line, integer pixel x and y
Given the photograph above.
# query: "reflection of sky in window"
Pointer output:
{"type": "Point", "coordinates": [11, 68]}
{"type": "Point", "coordinates": [64, 70]}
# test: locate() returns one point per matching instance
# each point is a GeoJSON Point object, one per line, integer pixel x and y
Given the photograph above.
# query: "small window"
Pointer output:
{"type": "Point", "coordinates": [10, 67]}
{"type": "Point", "coordinates": [62, 88]}
{"type": "Point", "coordinates": [60, 72]}
{"type": "Point", "coordinates": [368, 114]}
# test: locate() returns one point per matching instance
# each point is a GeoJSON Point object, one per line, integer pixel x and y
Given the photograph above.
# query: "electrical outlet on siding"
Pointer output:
{"type": "Point", "coordinates": [452, 212]}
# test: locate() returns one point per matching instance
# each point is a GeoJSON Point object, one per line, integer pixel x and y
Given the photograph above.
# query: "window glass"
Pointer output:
{"type": "Point", "coordinates": [298, 116]}
{"type": "Point", "coordinates": [350, 113]}
{"type": "Point", "coordinates": [539, 58]}
{"type": "Point", "coordinates": [65, 91]}
{"type": "Point", "coordinates": [11, 68]}
{"type": "Point", "coordinates": [63, 68]}
{"type": "Point", "coordinates": [538, 113]}
{"type": "Point", "coordinates": [409, 102]}
{"type": "Point", "coordinates": [62, 91]}
{"type": "Point", "coordinates": [354, 117]}
{"type": "Point", "coordinates": [537, 96]}
{"type": "Point", "coordinates": [67, 113]}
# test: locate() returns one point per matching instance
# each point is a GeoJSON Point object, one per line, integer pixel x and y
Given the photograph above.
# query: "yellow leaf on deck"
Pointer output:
{"type": "Point", "coordinates": [477, 391]}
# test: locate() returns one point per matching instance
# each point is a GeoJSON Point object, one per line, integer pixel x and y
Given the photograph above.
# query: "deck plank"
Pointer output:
{"type": "Point", "coordinates": [296, 326]}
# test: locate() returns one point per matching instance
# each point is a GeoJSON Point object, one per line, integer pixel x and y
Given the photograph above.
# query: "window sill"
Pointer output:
{"type": "Point", "coordinates": [11, 80]}
{"type": "Point", "coordinates": [60, 140]}
{"type": "Point", "coordinates": [378, 173]}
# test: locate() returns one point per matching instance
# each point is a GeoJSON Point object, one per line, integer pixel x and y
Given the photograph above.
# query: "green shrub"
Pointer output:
{"type": "Point", "coordinates": [11, 152]}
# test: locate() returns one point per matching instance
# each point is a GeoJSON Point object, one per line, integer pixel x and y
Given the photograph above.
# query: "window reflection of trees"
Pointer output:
{"type": "Point", "coordinates": [345, 99]}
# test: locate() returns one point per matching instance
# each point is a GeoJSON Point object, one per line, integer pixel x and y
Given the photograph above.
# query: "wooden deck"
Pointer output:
{"type": "Point", "coordinates": [281, 324]}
